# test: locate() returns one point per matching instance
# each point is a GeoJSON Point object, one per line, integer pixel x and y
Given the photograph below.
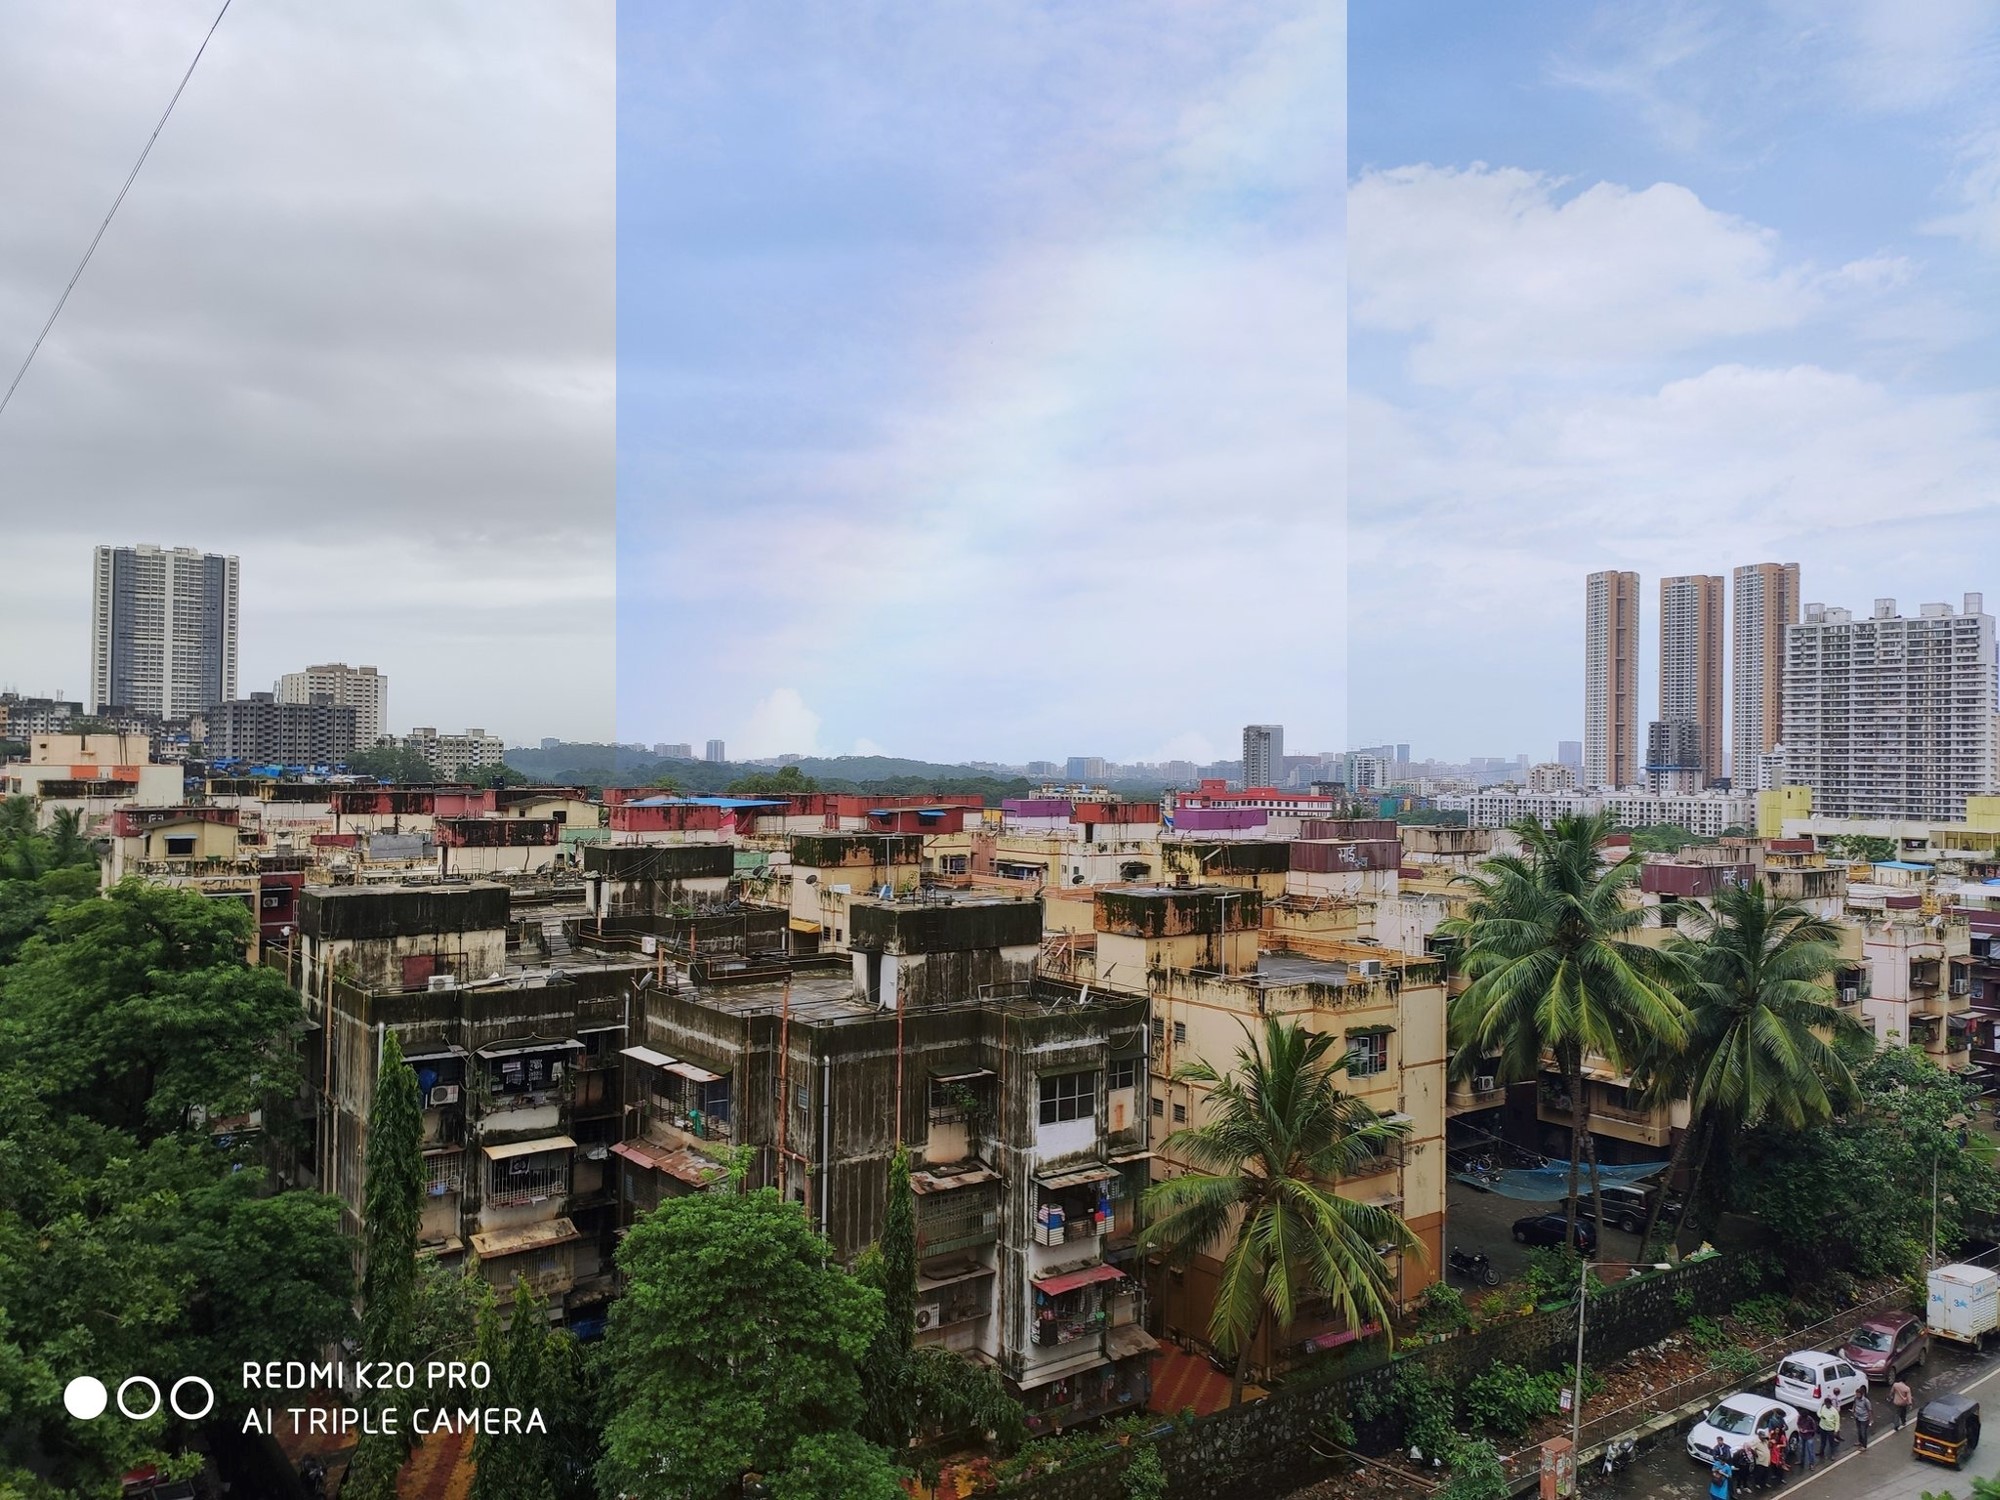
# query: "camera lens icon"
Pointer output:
{"type": "Point", "coordinates": [191, 1398]}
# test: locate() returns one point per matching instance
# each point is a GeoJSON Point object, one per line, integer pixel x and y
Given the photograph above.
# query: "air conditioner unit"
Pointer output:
{"type": "Point", "coordinates": [1849, 994]}
{"type": "Point", "coordinates": [929, 1315]}
{"type": "Point", "coordinates": [1960, 986]}
{"type": "Point", "coordinates": [1369, 968]}
{"type": "Point", "coordinates": [444, 1093]}
{"type": "Point", "coordinates": [444, 982]}
{"type": "Point", "coordinates": [1485, 1083]}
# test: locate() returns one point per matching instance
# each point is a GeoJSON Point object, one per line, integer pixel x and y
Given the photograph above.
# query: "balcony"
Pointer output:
{"type": "Point", "coordinates": [1481, 1093]}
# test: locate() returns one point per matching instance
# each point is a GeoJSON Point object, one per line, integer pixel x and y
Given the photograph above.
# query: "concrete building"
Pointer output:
{"type": "Point", "coordinates": [1570, 753]}
{"type": "Point", "coordinates": [1551, 776]}
{"type": "Point", "coordinates": [1611, 679]}
{"type": "Point", "coordinates": [264, 730]}
{"type": "Point", "coordinates": [1708, 813]}
{"type": "Point", "coordinates": [23, 717]}
{"type": "Point", "coordinates": [1263, 754]}
{"type": "Point", "coordinates": [1691, 665]}
{"type": "Point", "coordinates": [93, 775]}
{"type": "Point", "coordinates": [362, 689]}
{"type": "Point", "coordinates": [162, 629]}
{"type": "Point", "coordinates": [1674, 751]}
{"type": "Point", "coordinates": [715, 752]}
{"type": "Point", "coordinates": [679, 750]}
{"type": "Point", "coordinates": [1767, 603]}
{"type": "Point", "coordinates": [1888, 716]}
{"type": "Point", "coordinates": [1085, 768]}
{"type": "Point", "coordinates": [452, 755]}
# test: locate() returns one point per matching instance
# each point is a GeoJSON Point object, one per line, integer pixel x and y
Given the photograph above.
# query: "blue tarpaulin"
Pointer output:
{"type": "Point", "coordinates": [1549, 1183]}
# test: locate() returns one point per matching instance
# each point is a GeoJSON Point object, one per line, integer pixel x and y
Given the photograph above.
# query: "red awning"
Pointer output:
{"type": "Point", "coordinates": [1069, 1281]}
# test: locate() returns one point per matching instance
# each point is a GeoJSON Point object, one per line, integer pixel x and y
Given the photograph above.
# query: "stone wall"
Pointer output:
{"type": "Point", "coordinates": [1270, 1443]}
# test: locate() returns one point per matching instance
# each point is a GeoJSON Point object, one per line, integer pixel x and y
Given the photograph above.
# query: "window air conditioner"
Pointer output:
{"type": "Point", "coordinates": [1849, 994]}
{"type": "Point", "coordinates": [928, 1315]}
{"type": "Point", "coordinates": [444, 1093]}
{"type": "Point", "coordinates": [444, 981]}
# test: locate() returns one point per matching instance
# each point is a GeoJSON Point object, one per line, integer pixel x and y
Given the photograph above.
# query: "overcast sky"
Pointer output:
{"type": "Point", "coordinates": [354, 324]}
{"type": "Point", "coordinates": [1668, 287]}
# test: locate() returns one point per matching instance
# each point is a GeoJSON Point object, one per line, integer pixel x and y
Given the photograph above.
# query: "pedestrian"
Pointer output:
{"type": "Point", "coordinates": [1864, 1414]}
{"type": "Point", "coordinates": [1808, 1439]}
{"type": "Point", "coordinates": [1899, 1400]}
{"type": "Point", "coordinates": [1829, 1428]}
{"type": "Point", "coordinates": [1777, 1455]}
{"type": "Point", "coordinates": [1718, 1479]}
{"type": "Point", "coordinates": [1760, 1460]}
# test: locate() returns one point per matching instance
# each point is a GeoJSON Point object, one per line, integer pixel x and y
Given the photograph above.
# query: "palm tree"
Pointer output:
{"type": "Point", "coordinates": [1278, 1132]}
{"type": "Point", "coordinates": [67, 843]}
{"type": "Point", "coordinates": [1765, 1039]}
{"type": "Point", "coordinates": [1547, 943]}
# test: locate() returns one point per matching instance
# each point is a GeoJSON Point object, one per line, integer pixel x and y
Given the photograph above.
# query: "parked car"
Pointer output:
{"type": "Point", "coordinates": [1883, 1348]}
{"type": "Point", "coordinates": [1626, 1207]}
{"type": "Point", "coordinates": [1737, 1420]}
{"type": "Point", "coordinates": [1547, 1229]}
{"type": "Point", "coordinates": [1810, 1377]}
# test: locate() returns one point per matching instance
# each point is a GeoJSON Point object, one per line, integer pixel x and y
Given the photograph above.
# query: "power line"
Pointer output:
{"type": "Point", "coordinates": [77, 275]}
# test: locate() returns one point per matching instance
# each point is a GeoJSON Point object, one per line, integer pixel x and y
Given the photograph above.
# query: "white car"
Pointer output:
{"type": "Point", "coordinates": [1736, 1420]}
{"type": "Point", "coordinates": [1810, 1376]}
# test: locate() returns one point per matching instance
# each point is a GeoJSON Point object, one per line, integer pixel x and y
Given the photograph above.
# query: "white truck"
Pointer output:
{"type": "Point", "coordinates": [1964, 1304]}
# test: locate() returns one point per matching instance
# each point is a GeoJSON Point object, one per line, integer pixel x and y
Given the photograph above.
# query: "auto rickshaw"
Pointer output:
{"type": "Point", "coordinates": [1947, 1430]}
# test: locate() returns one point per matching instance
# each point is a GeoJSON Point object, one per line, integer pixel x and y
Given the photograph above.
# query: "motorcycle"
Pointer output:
{"type": "Point", "coordinates": [1619, 1453]}
{"type": "Point", "coordinates": [1473, 1266]}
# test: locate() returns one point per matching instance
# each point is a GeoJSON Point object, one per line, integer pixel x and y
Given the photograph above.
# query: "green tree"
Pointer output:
{"type": "Point", "coordinates": [890, 1267]}
{"type": "Point", "coordinates": [67, 843]}
{"type": "Point", "coordinates": [1547, 942]}
{"type": "Point", "coordinates": [391, 763]}
{"type": "Point", "coordinates": [138, 1012]}
{"type": "Point", "coordinates": [532, 1368]}
{"type": "Point", "coordinates": [772, 783]}
{"type": "Point", "coordinates": [1279, 1132]}
{"type": "Point", "coordinates": [736, 1341]}
{"type": "Point", "coordinates": [1864, 848]}
{"type": "Point", "coordinates": [1765, 1039]}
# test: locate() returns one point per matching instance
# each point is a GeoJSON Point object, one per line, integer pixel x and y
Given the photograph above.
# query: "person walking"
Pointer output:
{"type": "Point", "coordinates": [1745, 1470]}
{"type": "Point", "coordinates": [1900, 1399]}
{"type": "Point", "coordinates": [1829, 1427]}
{"type": "Point", "coordinates": [1776, 1446]}
{"type": "Point", "coordinates": [1808, 1439]}
{"type": "Point", "coordinates": [1864, 1415]}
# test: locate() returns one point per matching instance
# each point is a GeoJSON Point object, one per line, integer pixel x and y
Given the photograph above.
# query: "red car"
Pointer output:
{"type": "Point", "coordinates": [1884, 1348]}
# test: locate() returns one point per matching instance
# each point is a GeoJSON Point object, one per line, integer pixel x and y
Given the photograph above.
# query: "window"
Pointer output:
{"type": "Point", "coordinates": [1159, 1108]}
{"type": "Point", "coordinates": [1159, 1031]}
{"type": "Point", "coordinates": [1371, 1053]}
{"type": "Point", "coordinates": [1180, 1114]}
{"type": "Point", "coordinates": [1124, 1073]}
{"type": "Point", "coordinates": [1180, 1032]}
{"type": "Point", "coordinates": [180, 843]}
{"type": "Point", "coordinates": [1068, 1096]}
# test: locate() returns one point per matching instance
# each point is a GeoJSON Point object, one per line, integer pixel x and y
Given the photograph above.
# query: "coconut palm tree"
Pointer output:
{"type": "Point", "coordinates": [1547, 942]}
{"type": "Point", "coordinates": [1278, 1132]}
{"type": "Point", "coordinates": [1765, 1040]}
{"type": "Point", "coordinates": [67, 843]}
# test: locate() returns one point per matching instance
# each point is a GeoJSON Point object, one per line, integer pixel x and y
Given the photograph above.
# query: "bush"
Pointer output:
{"type": "Point", "coordinates": [1768, 1312]}
{"type": "Point", "coordinates": [1706, 1333]}
{"type": "Point", "coordinates": [1476, 1475]}
{"type": "Point", "coordinates": [1426, 1403]}
{"type": "Point", "coordinates": [1553, 1274]}
{"type": "Point", "coordinates": [1738, 1362]}
{"type": "Point", "coordinates": [1508, 1400]}
{"type": "Point", "coordinates": [1146, 1476]}
{"type": "Point", "coordinates": [1442, 1309]}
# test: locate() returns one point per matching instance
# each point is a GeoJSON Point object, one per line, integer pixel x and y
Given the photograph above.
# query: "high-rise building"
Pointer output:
{"type": "Point", "coordinates": [271, 731]}
{"type": "Point", "coordinates": [1263, 753]}
{"type": "Point", "coordinates": [451, 755]}
{"type": "Point", "coordinates": [1889, 717]}
{"type": "Point", "coordinates": [1611, 679]}
{"type": "Point", "coordinates": [1084, 768]}
{"type": "Point", "coordinates": [1691, 663]}
{"type": "Point", "coordinates": [1767, 601]}
{"type": "Point", "coordinates": [1570, 753]}
{"type": "Point", "coordinates": [362, 689]}
{"type": "Point", "coordinates": [162, 630]}
{"type": "Point", "coordinates": [715, 751]}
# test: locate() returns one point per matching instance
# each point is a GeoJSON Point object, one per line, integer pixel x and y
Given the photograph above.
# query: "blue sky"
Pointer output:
{"type": "Point", "coordinates": [1662, 287]}
{"type": "Point", "coordinates": [980, 377]}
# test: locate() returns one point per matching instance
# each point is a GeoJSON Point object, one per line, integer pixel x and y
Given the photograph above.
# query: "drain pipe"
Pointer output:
{"type": "Point", "coordinates": [825, 1134]}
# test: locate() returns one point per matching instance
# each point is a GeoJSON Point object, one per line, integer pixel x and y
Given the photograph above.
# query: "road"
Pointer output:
{"type": "Point", "coordinates": [1885, 1472]}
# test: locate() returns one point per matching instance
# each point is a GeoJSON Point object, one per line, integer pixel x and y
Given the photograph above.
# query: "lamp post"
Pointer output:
{"type": "Point", "coordinates": [1576, 1384]}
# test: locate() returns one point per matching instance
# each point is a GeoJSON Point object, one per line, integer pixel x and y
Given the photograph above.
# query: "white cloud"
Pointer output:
{"type": "Point", "coordinates": [866, 746]}
{"type": "Point", "coordinates": [780, 724]}
{"type": "Point", "coordinates": [1893, 56]}
{"type": "Point", "coordinates": [1977, 187]}
{"type": "Point", "coordinates": [1499, 275]}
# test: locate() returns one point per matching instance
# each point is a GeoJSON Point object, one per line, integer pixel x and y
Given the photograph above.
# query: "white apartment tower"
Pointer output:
{"type": "Point", "coordinates": [362, 689]}
{"type": "Point", "coordinates": [1889, 717]}
{"type": "Point", "coordinates": [1611, 679]}
{"type": "Point", "coordinates": [1691, 664]}
{"type": "Point", "coordinates": [1263, 754]}
{"type": "Point", "coordinates": [162, 630]}
{"type": "Point", "coordinates": [1767, 602]}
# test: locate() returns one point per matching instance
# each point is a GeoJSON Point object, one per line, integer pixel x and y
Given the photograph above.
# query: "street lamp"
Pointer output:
{"type": "Point", "coordinates": [1576, 1385]}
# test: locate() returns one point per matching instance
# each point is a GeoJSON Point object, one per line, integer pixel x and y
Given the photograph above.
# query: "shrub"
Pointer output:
{"type": "Point", "coordinates": [1738, 1362]}
{"type": "Point", "coordinates": [1426, 1403]}
{"type": "Point", "coordinates": [1767, 1313]}
{"type": "Point", "coordinates": [1506, 1399]}
{"type": "Point", "coordinates": [1683, 1301]}
{"type": "Point", "coordinates": [1706, 1333]}
{"type": "Point", "coordinates": [1553, 1274]}
{"type": "Point", "coordinates": [1442, 1309]}
{"type": "Point", "coordinates": [1476, 1475]}
{"type": "Point", "coordinates": [1146, 1476]}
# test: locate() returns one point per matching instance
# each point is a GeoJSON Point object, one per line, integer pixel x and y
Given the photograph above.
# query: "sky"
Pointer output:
{"type": "Point", "coordinates": [1664, 287]}
{"type": "Point", "coordinates": [354, 324]}
{"type": "Point", "coordinates": [980, 377]}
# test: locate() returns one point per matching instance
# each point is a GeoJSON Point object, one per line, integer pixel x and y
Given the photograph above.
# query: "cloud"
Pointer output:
{"type": "Point", "coordinates": [1976, 184]}
{"type": "Point", "coordinates": [780, 724]}
{"type": "Point", "coordinates": [1500, 275]}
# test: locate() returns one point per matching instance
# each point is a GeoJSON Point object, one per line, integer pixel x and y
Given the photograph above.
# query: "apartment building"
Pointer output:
{"type": "Point", "coordinates": [1766, 605]}
{"type": "Point", "coordinates": [362, 689]}
{"type": "Point", "coordinates": [1691, 668]}
{"type": "Point", "coordinates": [452, 755]}
{"type": "Point", "coordinates": [1263, 754]}
{"type": "Point", "coordinates": [93, 775]}
{"type": "Point", "coordinates": [266, 730]}
{"type": "Point", "coordinates": [1710, 813]}
{"type": "Point", "coordinates": [162, 629]}
{"type": "Point", "coordinates": [1611, 679]}
{"type": "Point", "coordinates": [1892, 716]}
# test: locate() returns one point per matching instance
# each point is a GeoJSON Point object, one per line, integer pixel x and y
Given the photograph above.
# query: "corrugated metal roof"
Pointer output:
{"type": "Point", "coordinates": [541, 1236]}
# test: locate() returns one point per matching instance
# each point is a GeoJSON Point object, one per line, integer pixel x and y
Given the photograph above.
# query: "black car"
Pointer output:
{"type": "Point", "coordinates": [1626, 1208]}
{"type": "Point", "coordinates": [1547, 1229]}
